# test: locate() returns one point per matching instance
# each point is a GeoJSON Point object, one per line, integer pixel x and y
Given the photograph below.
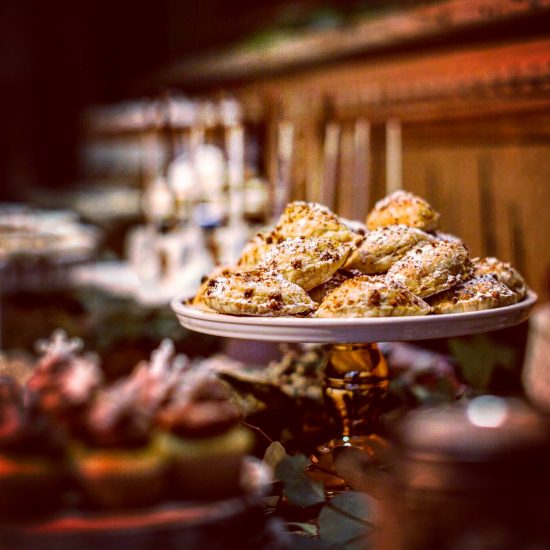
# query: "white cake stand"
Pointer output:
{"type": "Point", "coordinates": [356, 374]}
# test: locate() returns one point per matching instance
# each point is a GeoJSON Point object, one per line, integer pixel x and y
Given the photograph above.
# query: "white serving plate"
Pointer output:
{"type": "Point", "coordinates": [351, 330]}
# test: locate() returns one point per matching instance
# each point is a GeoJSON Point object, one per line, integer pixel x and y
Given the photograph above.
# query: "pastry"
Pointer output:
{"type": "Point", "coordinates": [318, 251]}
{"type": "Point", "coordinates": [309, 219]}
{"type": "Point", "coordinates": [355, 225]}
{"type": "Point", "coordinates": [198, 299]}
{"type": "Point", "coordinates": [371, 296]}
{"type": "Point", "coordinates": [319, 293]}
{"type": "Point", "coordinates": [503, 271]}
{"type": "Point", "coordinates": [448, 237]}
{"type": "Point", "coordinates": [256, 292]}
{"type": "Point", "coordinates": [479, 292]}
{"type": "Point", "coordinates": [383, 247]}
{"type": "Point", "coordinates": [404, 208]}
{"type": "Point", "coordinates": [299, 219]}
{"type": "Point", "coordinates": [118, 460]}
{"type": "Point", "coordinates": [206, 442]}
{"type": "Point", "coordinates": [64, 380]}
{"type": "Point", "coordinates": [256, 248]}
{"type": "Point", "coordinates": [307, 262]}
{"type": "Point", "coordinates": [432, 267]}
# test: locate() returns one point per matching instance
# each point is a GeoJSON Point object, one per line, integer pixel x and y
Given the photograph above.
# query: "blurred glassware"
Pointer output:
{"type": "Point", "coordinates": [158, 202]}
{"type": "Point", "coordinates": [106, 202]}
{"type": "Point", "coordinates": [183, 179]}
{"type": "Point", "coordinates": [38, 247]}
{"type": "Point", "coordinates": [210, 167]}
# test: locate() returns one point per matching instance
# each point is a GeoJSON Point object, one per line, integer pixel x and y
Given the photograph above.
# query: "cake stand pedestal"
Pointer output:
{"type": "Point", "coordinates": [356, 374]}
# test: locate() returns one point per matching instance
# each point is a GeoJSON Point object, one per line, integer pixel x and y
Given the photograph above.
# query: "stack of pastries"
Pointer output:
{"type": "Point", "coordinates": [314, 263]}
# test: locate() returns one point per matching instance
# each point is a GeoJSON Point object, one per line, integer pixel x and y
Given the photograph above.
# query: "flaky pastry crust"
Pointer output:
{"type": "Point", "coordinates": [432, 267]}
{"type": "Point", "coordinates": [383, 247]}
{"type": "Point", "coordinates": [307, 262]}
{"type": "Point", "coordinates": [256, 292]}
{"type": "Point", "coordinates": [319, 293]}
{"type": "Point", "coordinates": [371, 296]}
{"type": "Point", "coordinates": [475, 294]}
{"type": "Point", "coordinates": [448, 237]}
{"type": "Point", "coordinates": [198, 299]}
{"type": "Point", "coordinates": [299, 219]}
{"type": "Point", "coordinates": [310, 219]}
{"type": "Point", "coordinates": [404, 208]}
{"type": "Point", "coordinates": [256, 248]}
{"type": "Point", "coordinates": [504, 272]}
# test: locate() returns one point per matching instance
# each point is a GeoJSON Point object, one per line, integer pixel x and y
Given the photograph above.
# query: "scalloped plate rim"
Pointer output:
{"type": "Point", "coordinates": [305, 328]}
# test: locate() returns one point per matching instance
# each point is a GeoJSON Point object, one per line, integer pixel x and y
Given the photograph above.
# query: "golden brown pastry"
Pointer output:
{"type": "Point", "coordinates": [371, 296]}
{"type": "Point", "coordinates": [256, 248]}
{"type": "Point", "coordinates": [503, 271]}
{"type": "Point", "coordinates": [319, 293]}
{"type": "Point", "coordinates": [309, 219]}
{"type": "Point", "coordinates": [404, 208]}
{"type": "Point", "coordinates": [307, 262]}
{"type": "Point", "coordinates": [299, 219]}
{"type": "Point", "coordinates": [355, 226]}
{"type": "Point", "coordinates": [256, 292]}
{"type": "Point", "coordinates": [475, 294]}
{"type": "Point", "coordinates": [433, 267]}
{"type": "Point", "coordinates": [448, 237]}
{"type": "Point", "coordinates": [198, 299]}
{"type": "Point", "coordinates": [383, 247]}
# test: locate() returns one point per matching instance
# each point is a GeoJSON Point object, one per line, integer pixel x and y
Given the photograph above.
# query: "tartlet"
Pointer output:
{"type": "Point", "coordinates": [119, 461]}
{"type": "Point", "coordinates": [503, 271]}
{"type": "Point", "coordinates": [307, 262]}
{"type": "Point", "coordinates": [64, 381]}
{"type": "Point", "coordinates": [256, 292]}
{"type": "Point", "coordinates": [382, 247]}
{"type": "Point", "coordinates": [206, 443]}
{"type": "Point", "coordinates": [475, 294]}
{"type": "Point", "coordinates": [371, 296]}
{"type": "Point", "coordinates": [432, 267]}
{"type": "Point", "coordinates": [404, 208]}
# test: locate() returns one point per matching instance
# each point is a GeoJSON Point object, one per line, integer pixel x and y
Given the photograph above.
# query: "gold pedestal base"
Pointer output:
{"type": "Point", "coordinates": [356, 380]}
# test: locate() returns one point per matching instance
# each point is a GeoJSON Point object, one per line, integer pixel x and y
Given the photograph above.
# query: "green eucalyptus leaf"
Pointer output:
{"type": "Point", "coordinates": [344, 520]}
{"type": "Point", "coordinates": [299, 527]}
{"type": "Point", "coordinates": [274, 454]}
{"type": "Point", "coordinates": [360, 471]}
{"type": "Point", "coordinates": [298, 488]}
{"type": "Point", "coordinates": [478, 357]}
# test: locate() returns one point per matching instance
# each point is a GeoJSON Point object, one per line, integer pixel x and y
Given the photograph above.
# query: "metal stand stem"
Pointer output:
{"type": "Point", "coordinates": [356, 380]}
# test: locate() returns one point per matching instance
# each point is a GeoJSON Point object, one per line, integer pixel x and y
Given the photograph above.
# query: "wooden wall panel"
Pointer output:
{"type": "Point", "coordinates": [496, 197]}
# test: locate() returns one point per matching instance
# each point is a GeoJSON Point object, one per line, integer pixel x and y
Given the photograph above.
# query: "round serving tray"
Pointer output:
{"type": "Point", "coordinates": [237, 521]}
{"type": "Point", "coordinates": [351, 330]}
{"type": "Point", "coordinates": [191, 525]}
